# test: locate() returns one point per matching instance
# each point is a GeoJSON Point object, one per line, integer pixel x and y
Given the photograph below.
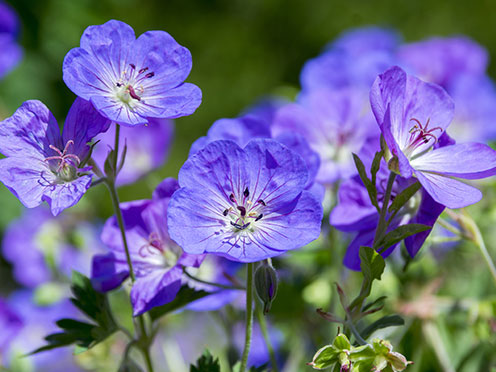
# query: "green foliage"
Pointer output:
{"type": "Point", "coordinates": [402, 198]}
{"type": "Point", "coordinates": [400, 233]}
{"type": "Point", "coordinates": [185, 296]}
{"type": "Point", "coordinates": [84, 335]}
{"type": "Point", "coordinates": [372, 265]}
{"type": "Point", "coordinates": [384, 322]}
{"type": "Point", "coordinates": [369, 185]}
{"type": "Point", "coordinates": [342, 356]}
{"type": "Point", "coordinates": [206, 363]}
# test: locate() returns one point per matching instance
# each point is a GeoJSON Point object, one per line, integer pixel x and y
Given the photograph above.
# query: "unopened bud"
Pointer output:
{"type": "Point", "coordinates": [266, 285]}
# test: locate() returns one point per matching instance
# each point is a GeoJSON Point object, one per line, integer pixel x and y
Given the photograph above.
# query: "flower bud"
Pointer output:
{"type": "Point", "coordinates": [266, 285]}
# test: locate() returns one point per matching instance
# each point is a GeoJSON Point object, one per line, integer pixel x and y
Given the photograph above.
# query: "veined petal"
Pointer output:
{"type": "Point", "coordinates": [64, 195]}
{"type": "Point", "coordinates": [30, 131]}
{"type": "Point", "coordinates": [83, 123]}
{"type": "Point", "coordinates": [448, 191]}
{"type": "Point", "coordinates": [466, 160]}
{"type": "Point", "coordinates": [159, 52]}
{"type": "Point", "coordinates": [116, 111]}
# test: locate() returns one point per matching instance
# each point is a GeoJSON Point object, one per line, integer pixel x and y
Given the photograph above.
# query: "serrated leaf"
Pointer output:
{"type": "Point", "coordinates": [185, 296]}
{"type": "Point", "coordinates": [402, 232]}
{"type": "Point", "coordinates": [402, 198]}
{"type": "Point", "coordinates": [206, 363]}
{"type": "Point", "coordinates": [371, 187]}
{"type": "Point", "coordinates": [384, 322]}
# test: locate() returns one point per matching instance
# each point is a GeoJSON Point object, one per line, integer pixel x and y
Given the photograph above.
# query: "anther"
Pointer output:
{"type": "Point", "coordinates": [150, 75]}
{"type": "Point", "coordinates": [259, 217]}
{"type": "Point", "coordinates": [225, 212]}
{"type": "Point", "coordinates": [242, 210]}
{"type": "Point", "coordinates": [133, 66]}
{"type": "Point", "coordinates": [142, 70]}
{"type": "Point", "coordinates": [232, 198]}
{"type": "Point", "coordinates": [260, 201]}
{"type": "Point", "coordinates": [246, 193]}
{"type": "Point", "coordinates": [240, 227]}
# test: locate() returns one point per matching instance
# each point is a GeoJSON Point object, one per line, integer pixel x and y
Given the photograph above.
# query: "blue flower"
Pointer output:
{"type": "Point", "coordinates": [43, 165]}
{"type": "Point", "coordinates": [157, 261]}
{"type": "Point", "coordinates": [412, 116]}
{"type": "Point", "coordinates": [245, 204]}
{"type": "Point", "coordinates": [130, 80]}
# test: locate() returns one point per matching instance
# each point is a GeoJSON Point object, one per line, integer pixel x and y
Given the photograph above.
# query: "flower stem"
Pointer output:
{"type": "Point", "coordinates": [265, 333]}
{"type": "Point", "coordinates": [383, 223]}
{"type": "Point", "coordinates": [110, 182]}
{"type": "Point", "coordinates": [249, 316]}
{"type": "Point", "coordinates": [223, 286]}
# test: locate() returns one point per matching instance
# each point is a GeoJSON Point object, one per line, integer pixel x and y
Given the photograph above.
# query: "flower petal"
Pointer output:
{"type": "Point", "coordinates": [466, 160]}
{"type": "Point", "coordinates": [155, 289]}
{"type": "Point", "coordinates": [448, 191]}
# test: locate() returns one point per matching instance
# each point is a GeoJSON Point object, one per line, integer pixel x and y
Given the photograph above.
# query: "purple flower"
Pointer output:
{"type": "Point", "coordinates": [335, 123]}
{"type": "Point", "coordinates": [147, 148]}
{"type": "Point", "coordinates": [448, 58]}
{"type": "Point", "coordinates": [354, 213]}
{"type": "Point", "coordinates": [10, 324]}
{"type": "Point", "coordinates": [130, 80]}
{"type": "Point", "coordinates": [10, 51]}
{"type": "Point", "coordinates": [157, 261]}
{"type": "Point", "coordinates": [41, 247]}
{"type": "Point", "coordinates": [353, 60]}
{"type": "Point", "coordinates": [244, 204]}
{"type": "Point", "coordinates": [412, 116]}
{"type": "Point", "coordinates": [257, 125]}
{"type": "Point", "coordinates": [43, 165]}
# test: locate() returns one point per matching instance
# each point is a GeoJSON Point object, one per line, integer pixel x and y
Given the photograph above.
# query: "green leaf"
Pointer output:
{"type": "Point", "coordinates": [206, 363]}
{"type": "Point", "coordinates": [379, 301]}
{"type": "Point", "coordinates": [376, 164]}
{"type": "Point", "coordinates": [325, 357]}
{"type": "Point", "coordinates": [384, 322]}
{"type": "Point", "coordinates": [341, 342]}
{"type": "Point", "coordinates": [402, 232]}
{"type": "Point", "coordinates": [372, 265]}
{"type": "Point", "coordinates": [185, 296]}
{"type": "Point", "coordinates": [371, 187]}
{"type": "Point", "coordinates": [402, 198]}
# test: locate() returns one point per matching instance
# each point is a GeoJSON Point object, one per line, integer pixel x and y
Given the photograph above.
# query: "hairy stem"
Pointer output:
{"type": "Point", "coordinates": [266, 336]}
{"type": "Point", "coordinates": [383, 223]}
{"type": "Point", "coordinates": [249, 316]}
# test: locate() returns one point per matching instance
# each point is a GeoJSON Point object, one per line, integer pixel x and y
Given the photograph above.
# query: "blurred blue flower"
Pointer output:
{"type": "Point", "coordinates": [157, 261]}
{"type": "Point", "coordinates": [10, 51]}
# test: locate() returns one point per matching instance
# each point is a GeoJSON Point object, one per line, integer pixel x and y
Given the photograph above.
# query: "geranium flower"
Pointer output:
{"type": "Point", "coordinates": [412, 115]}
{"type": "Point", "coordinates": [129, 80]}
{"type": "Point", "coordinates": [244, 204]}
{"type": "Point", "coordinates": [157, 261]}
{"type": "Point", "coordinates": [43, 165]}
